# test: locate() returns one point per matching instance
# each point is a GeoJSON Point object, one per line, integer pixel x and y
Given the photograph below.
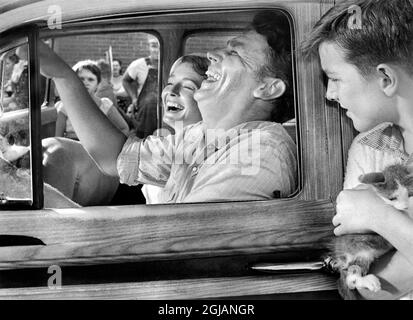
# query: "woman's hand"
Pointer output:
{"type": "Point", "coordinates": [51, 65]}
{"type": "Point", "coordinates": [358, 211]}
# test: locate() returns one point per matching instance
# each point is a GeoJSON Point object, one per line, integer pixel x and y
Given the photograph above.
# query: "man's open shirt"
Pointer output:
{"type": "Point", "coordinates": [247, 162]}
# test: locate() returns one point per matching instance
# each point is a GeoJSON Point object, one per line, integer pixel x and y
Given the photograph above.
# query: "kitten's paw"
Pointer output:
{"type": "Point", "coordinates": [336, 265]}
{"type": "Point", "coordinates": [353, 276]}
{"type": "Point", "coordinates": [370, 282]}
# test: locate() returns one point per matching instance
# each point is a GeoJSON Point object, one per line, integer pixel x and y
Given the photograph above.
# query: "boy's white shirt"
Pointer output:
{"type": "Point", "coordinates": [364, 158]}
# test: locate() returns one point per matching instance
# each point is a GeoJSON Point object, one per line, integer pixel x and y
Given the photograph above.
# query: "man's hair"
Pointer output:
{"type": "Point", "coordinates": [274, 26]}
{"type": "Point", "coordinates": [89, 65]}
{"type": "Point", "coordinates": [384, 33]}
{"type": "Point", "coordinates": [199, 63]}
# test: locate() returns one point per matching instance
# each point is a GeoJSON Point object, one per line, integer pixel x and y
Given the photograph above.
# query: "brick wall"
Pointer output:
{"type": "Point", "coordinates": [205, 43]}
{"type": "Point", "coordinates": [125, 46]}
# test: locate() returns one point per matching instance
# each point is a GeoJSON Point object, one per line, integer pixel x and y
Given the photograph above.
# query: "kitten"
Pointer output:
{"type": "Point", "coordinates": [354, 253]}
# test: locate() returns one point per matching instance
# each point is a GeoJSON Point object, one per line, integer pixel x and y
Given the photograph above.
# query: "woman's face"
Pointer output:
{"type": "Point", "coordinates": [180, 108]}
{"type": "Point", "coordinates": [116, 68]}
{"type": "Point", "coordinates": [89, 80]}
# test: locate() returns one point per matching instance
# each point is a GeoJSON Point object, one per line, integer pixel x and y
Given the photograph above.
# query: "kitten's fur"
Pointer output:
{"type": "Point", "coordinates": [354, 253]}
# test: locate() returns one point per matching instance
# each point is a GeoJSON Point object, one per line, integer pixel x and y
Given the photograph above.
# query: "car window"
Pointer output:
{"type": "Point", "coordinates": [81, 180]}
{"type": "Point", "coordinates": [15, 168]}
{"type": "Point", "coordinates": [131, 53]}
{"type": "Point", "coordinates": [133, 56]}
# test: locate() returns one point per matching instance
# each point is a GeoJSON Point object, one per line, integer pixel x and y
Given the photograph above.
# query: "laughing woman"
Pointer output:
{"type": "Point", "coordinates": [179, 107]}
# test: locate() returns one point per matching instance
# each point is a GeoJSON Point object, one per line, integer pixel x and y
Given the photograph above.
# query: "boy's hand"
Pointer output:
{"type": "Point", "coordinates": [357, 210]}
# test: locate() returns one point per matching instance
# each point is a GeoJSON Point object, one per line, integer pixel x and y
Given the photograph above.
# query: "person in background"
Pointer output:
{"type": "Point", "coordinates": [105, 87]}
{"type": "Point", "coordinates": [90, 75]}
{"type": "Point", "coordinates": [10, 64]}
{"type": "Point", "coordinates": [19, 82]}
{"type": "Point", "coordinates": [141, 83]}
{"type": "Point", "coordinates": [117, 78]}
{"type": "Point", "coordinates": [122, 96]}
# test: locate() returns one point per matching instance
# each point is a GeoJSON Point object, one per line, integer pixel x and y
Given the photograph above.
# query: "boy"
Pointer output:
{"type": "Point", "coordinates": [369, 66]}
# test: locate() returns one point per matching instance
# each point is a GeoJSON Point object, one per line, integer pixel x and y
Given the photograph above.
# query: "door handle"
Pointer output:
{"type": "Point", "coordinates": [326, 265]}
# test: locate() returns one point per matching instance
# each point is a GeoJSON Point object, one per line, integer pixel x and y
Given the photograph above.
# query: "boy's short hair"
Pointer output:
{"type": "Point", "coordinates": [384, 36]}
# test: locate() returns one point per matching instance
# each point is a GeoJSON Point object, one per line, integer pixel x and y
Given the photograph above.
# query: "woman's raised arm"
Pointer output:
{"type": "Point", "coordinates": [95, 131]}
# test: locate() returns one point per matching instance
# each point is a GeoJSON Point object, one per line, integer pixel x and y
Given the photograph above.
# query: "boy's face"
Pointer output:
{"type": "Point", "coordinates": [366, 105]}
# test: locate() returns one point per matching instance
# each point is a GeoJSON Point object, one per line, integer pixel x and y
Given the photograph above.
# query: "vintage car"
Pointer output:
{"type": "Point", "coordinates": [131, 250]}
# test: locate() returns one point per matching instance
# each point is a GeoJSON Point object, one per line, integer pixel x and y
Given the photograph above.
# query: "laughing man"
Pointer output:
{"type": "Point", "coordinates": [237, 152]}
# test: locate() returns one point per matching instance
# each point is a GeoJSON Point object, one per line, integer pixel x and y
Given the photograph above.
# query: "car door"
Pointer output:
{"type": "Point", "coordinates": [181, 251]}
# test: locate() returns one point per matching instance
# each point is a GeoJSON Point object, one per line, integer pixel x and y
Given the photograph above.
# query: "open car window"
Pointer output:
{"type": "Point", "coordinates": [15, 162]}
{"type": "Point", "coordinates": [82, 181]}
{"type": "Point", "coordinates": [134, 56]}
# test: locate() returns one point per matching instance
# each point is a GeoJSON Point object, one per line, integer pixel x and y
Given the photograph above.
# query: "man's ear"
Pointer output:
{"type": "Point", "coordinates": [388, 79]}
{"type": "Point", "coordinates": [270, 89]}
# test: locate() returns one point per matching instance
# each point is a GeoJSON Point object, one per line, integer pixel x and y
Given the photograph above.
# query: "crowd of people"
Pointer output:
{"type": "Point", "coordinates": [131, 96]}
{"type": "Point", "coordinates": [16, 88]}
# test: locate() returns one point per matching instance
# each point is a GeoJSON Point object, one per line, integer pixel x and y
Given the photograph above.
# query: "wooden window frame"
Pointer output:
{"type": "Point", "coordinates": [9, 40]}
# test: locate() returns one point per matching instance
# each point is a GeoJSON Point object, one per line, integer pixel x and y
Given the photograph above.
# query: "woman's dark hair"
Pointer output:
{"type": "Point", "coordinates": [199, 63]}
{"type": "Point", "coordinates": [384, 33]}
{"type": "Point", "coordinates": [89, 65]}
